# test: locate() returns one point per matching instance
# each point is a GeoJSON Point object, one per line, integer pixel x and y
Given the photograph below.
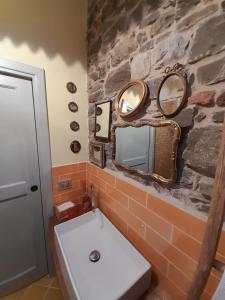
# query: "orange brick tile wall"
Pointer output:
{"type": "Point", "coordinates": [167, 236]}
{"type": "Point", "coordinates": [77, 174]}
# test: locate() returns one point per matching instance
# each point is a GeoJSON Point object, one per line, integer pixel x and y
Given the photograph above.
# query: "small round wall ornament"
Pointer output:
{"type": "Point", "coordinates": [75, 147]}
{"type": "Point", "coordinates": [73, 106]}
{"type": "Point", "coordinates": [71, 87]}
{"type": "Point", "coordinates": [74, 126]}
{"type": "Point", "coordinates": [97, 127]}
{"type": "Point", "coordinates": [98, 111]}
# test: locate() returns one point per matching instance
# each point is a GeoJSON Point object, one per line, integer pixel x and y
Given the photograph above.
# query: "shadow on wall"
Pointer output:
{"type": "Point", "coordinates": [49, 25]}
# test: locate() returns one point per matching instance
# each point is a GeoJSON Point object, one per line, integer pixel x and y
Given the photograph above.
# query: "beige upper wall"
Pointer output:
{"type": "Point", "coordinates": [51, 35]}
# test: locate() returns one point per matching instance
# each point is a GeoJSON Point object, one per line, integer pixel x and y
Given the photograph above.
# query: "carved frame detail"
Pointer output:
{"type": "Point", "coordinates": [178, 71]}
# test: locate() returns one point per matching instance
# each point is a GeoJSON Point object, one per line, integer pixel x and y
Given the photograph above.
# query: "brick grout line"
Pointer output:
{"type": "Point", "coordinates": [169, 261]}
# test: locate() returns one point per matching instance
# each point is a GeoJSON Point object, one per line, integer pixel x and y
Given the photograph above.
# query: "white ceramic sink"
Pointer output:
{"type": "Point", "coordinates": [121, 272]}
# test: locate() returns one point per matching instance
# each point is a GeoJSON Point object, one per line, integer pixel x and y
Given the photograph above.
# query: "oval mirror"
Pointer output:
{"type": "Point", "coordinates": [131, 98]}
{"type": "Point", "coordinates": [172, 94]}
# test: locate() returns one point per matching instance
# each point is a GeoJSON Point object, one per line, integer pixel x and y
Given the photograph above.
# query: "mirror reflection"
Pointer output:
{"type": "Point", "coordinates": [96, 153]}
{"type": "Point", "coordinates": [148, 149]}
{"type": "Point", "coordinates": [131, 98]}
{"type": "Point", "coordinates": [171, 94]}
{"type": "Point", "coordinates": [102, 120]}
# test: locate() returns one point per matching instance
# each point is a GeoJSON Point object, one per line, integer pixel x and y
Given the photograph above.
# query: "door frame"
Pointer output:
{"type": "Point", "coordinates": [37, 77]}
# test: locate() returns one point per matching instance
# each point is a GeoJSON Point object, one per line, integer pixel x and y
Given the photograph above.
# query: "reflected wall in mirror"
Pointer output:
{"type": "Point", "coordinates": [97, 154]}
{"type": "Point", "coordinates": [131, 98]}
{"type": "Point", "coordinates": [147, 148]}
{"type": "Point", "coordinates": [172, 92]}
{"type": "Point", "coordinates": [103, 120]}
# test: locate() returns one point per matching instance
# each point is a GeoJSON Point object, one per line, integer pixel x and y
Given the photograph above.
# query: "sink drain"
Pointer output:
{"type": "Point", "coordinates": [94, 256]}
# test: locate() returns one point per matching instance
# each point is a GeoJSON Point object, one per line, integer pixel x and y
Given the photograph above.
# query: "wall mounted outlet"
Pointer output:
{"type": "Point", "coordinates": [64, 185]}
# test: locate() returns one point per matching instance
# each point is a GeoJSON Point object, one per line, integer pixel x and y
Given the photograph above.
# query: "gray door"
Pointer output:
{"type": "Point", "coordinates": [22, 242]}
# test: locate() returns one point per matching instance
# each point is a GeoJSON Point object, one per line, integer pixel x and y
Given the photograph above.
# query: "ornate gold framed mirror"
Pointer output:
{"type": "Point", "coordinates": [172, 91]}
{"type": "Point", "coordinates": [97, 154]}
{"type": "Point", "coordinates": [131, 98]}
{"type": "Point", "coordinates": [147, 148]}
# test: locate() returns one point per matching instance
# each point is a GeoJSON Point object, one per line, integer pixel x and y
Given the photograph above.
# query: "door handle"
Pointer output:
{"type": "Point", "coordinates": [34, 188]}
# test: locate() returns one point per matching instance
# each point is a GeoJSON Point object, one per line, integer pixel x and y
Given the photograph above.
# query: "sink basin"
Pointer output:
{"type": "Point", "coordinates": [117, 271]}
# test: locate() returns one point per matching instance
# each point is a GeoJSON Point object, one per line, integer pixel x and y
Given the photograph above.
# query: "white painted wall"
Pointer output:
{"type": "Point", "coordinates": [51, 34]}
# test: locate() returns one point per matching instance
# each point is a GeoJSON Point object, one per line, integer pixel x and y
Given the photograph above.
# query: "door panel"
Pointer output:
{"type": "Point", "coordinates": [22, 243]}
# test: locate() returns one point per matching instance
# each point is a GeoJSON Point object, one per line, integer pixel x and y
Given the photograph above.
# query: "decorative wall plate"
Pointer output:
{"type": "Point", "coordinates": [75, 147]}
{"type": "Point", "coordinates": [74, 126]}
{"type": "Point", "coordinates": [97, 127]}
{"type": "Point", "coordinates": [98, 111]}
{"type": "Point", "coordinates": [73, 106]}
{"type": "Point", "coordinates": [71, 87]}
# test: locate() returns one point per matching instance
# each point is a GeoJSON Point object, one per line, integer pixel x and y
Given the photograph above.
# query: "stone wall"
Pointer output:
{"type": "Point", "coordinates": [130, 39]}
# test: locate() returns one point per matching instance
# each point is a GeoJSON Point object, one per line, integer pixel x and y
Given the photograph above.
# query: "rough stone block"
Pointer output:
{"type": "Point", "coordinates": [149, 45]}
{"type": "Point", "coordinates": [187, 177]}
{"type": "Point", "coordinates": [150, 19]}
{"type": "Point", "coordinates": [97, 96]}
{"type": "Point", "coordinates": [197, 16]}
{"type": "Point", "coordinates": [223, 5]}
{"type": "Point", "coordinates": [92, 124]}
{"type": "Point", "coordinates": [163, 22]}
{"type": "Point", "coordinates": [91, 110]}
{"type": "Point", "coordinates": [206, 186]}
{"type": "Point", "coordinates": [153, 86]}
{"type": "Point", "coordinates": [212, 73]}
{"type": "Point", "coordinates": [122, 50]}
{"type": "Point", "coordinates": [218, 117]}
{"type": "Point", "coordinates": [117, 78]}
{"type": "Point", "coordinates": [172, 48]}
{"type": "Point", "coordinates": [130, 4]}
{"type": "Point", "coordinates": [205, 98]}
{"type": "Point", "coordinates": [184, 6]}
{"type": "Point", "coordinates": [111, 9]}
{"type": "Point", "coordinates": [214, 30]}
{"type": "Point", "coordinates": [200, 117]}
{"type": "Point", "coordinates": [168, 3]}
{"type": "Point", "coordinates": [93, 75]}
{"type": "Point", "coordinates": [185, 117]}
{"type": "Point", "coordinates": [142, 37]}
{"type": "Point", "coordinates": [202, 150]}
{"type": "Point", "coordinates": [220, 100]}
{"type": "Point", "coordinates": [141, 65]}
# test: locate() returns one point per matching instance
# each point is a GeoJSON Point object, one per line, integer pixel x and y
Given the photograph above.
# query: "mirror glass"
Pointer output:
{"type": "Point", "coordinates": [102, 120]}
{"type": "Point", "coordinates": [171, 94]}
{"type": "Point", "coordinates": [131, 98]}
{"type": "Point", "coordinates": [96, 153]}
{"type": "Point", "coordinates": [148, 149]}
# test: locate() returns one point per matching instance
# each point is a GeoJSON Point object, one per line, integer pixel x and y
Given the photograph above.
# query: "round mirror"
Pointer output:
{"type": "Point", "coordinates": [131, 98]}
{"type": "Point", "coordinates": [172, 94]}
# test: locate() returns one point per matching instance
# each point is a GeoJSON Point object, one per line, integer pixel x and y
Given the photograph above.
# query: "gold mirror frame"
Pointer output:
{"type": "Point", "coordinates": [178, 71]}
{"type": "Point", "coordinates": [175, 142]}
{"type": "Point", "coordinates": [145, 94]}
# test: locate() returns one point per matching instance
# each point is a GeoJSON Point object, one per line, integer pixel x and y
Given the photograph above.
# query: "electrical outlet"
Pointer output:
{"type": "Point", "coordinates": [64, 185]}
